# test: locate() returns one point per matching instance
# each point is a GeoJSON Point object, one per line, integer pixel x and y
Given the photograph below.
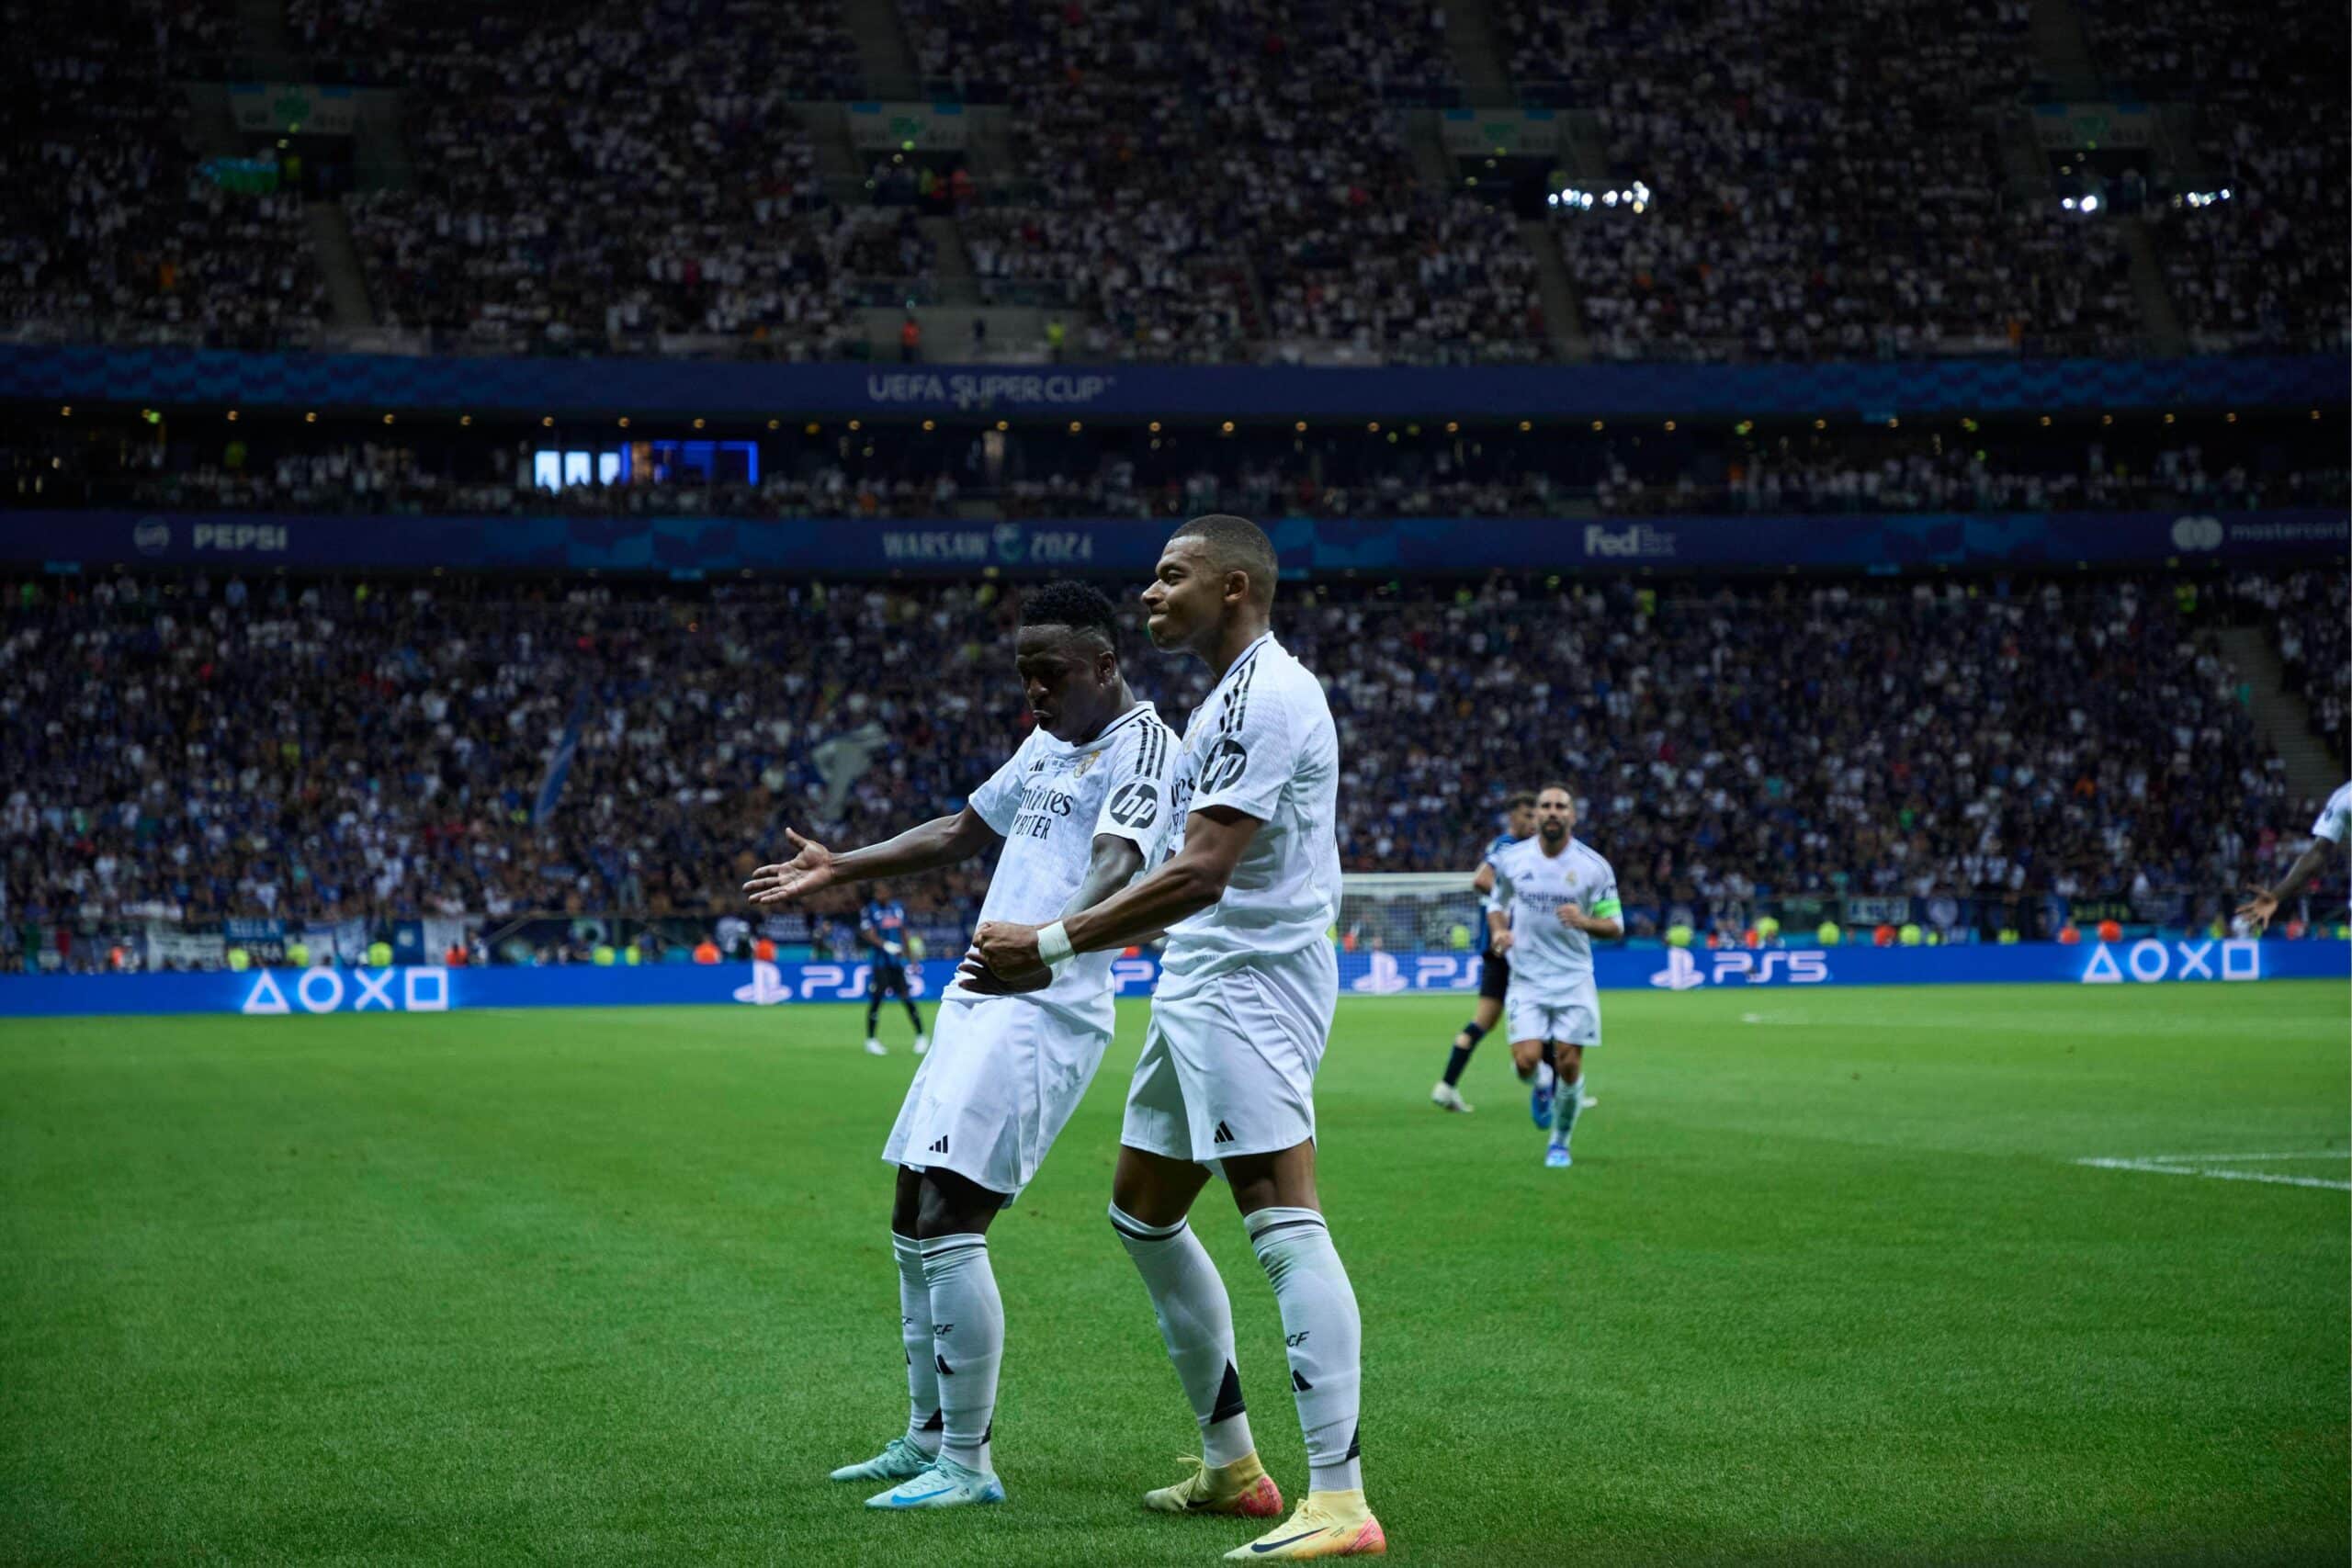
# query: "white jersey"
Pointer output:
{"type": "Point", "coordinates": [2335, 822]}
{"type": "Point", "coordinates": [1051, 801]}
{"type": "Point", "coordinates": [1530, 886]}
{"type": "Point", "coordinates": [1262, 743]}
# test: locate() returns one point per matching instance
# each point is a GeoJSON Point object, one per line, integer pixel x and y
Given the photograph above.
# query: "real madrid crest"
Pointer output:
{"type": "Point", "coordinates": [1083, 764]}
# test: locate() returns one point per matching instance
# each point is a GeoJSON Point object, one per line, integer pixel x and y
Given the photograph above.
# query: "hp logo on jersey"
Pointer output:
{"type": "Point", "coordinates": [1135, 803]}
{"type": "Point", "coordinates": [1222, 769]}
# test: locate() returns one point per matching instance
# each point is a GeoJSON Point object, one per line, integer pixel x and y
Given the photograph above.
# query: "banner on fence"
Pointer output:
{"type": "Point", "coordinates": [1128, 546]}
{"type": "Point", "coordinates": [285, 992]}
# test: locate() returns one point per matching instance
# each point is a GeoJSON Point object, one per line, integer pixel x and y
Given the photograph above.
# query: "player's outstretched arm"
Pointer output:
{"type": "Point", "coordinates": [1112, 865]}
{"type": "Point", "coordinates": [943, 841]}
{"type": "Point", "coordinates": [1193, 878]}
{"type": "Point", "coordinates": [2264, 902]}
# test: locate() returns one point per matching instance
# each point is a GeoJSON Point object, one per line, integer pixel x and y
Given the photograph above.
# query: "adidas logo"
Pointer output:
{"type": "Point", "coordinates": [939, 1147]}
{"type": "Point", "coordinates": [1224, 1133]}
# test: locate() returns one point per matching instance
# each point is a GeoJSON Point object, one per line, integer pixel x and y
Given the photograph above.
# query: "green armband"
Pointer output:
{"type": "Point", "coordinates": [1607, 909]}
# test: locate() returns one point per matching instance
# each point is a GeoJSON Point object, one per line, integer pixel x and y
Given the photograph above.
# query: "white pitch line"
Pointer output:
{"type": "Point", "coordinates": [2241, 1159]}
{"type": "Point", "coordinates": [2216, 1175]}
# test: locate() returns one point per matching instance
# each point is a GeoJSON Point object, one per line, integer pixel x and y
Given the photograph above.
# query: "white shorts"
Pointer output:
{"type": "Point", "coordinates": [1569, 1016]}
{"type": "Point", "coordinates": [1229, 1061]}
{"type": "Point", "coordinates": [996, 1088]}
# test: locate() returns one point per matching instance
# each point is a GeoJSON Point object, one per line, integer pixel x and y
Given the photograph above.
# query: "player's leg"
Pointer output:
{"type": "Point", "coordinates": [1570, 1101]}
{"type": "Point", "coordinates": [1261, 1100]}
{"type": "Point", "coordinates": [907, 994]}
{"type": "Point", "coordinates": [1323, 1338]}
{"type": "Point", "coordinates": [1494, 977]}
{"type": "Point", "coordinates": [1151, 1196]}
{"type": "Point", "coordinates": [912, 1452]}
{"type": "Point", "coordinates": [1531, 1053]}
{"type": "Point", "coordinates": [873, 1010]}
{"type": "Point", "coordinates": [966, 1316]}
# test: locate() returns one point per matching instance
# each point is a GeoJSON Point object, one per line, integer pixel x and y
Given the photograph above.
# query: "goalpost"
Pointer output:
{"type": "Point", "coordinates": [1408, 911]}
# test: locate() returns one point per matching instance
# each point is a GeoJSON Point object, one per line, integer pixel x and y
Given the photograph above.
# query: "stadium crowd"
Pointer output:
{"type": "Point", "coordinates": [109, 225]}
{"type": "Point", "coordinates": [2266, 266]}
{"type": "Point", "coordinates": [194, 748]}
{"type": "Point", "coordinates": [1805, 197]}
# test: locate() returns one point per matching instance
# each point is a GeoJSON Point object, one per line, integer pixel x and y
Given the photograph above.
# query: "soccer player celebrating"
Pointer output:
{"type": "Point", "coordinates": [1082, 807]}
{"type": "Point", "coordinates": [1227, 1077]}
{"type": "Point", "coordinates": [1494, 969]}
{"type": "Point", "coordinates": [2328, 836]}
{"type": "Point", "coordinates": [882, 930]}
{"type": "Point", "coordinates": [1554, 896]}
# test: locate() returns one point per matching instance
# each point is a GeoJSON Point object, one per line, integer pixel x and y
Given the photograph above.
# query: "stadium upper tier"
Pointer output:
{"type": "Point", "coordinates": [1232, 181]}
{"type": "Point", "coordinates": [315, 747]}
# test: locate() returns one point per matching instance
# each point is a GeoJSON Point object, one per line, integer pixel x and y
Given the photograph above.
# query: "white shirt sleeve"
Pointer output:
{"type": "Point", "coordinates": [1135, 806]}
{"type": "Point", "coordinates": [999, 800]}
{"type": "Point", "coordinates": [2335, 816]}
{"type": "Point", "coordinates": [1249, 763]}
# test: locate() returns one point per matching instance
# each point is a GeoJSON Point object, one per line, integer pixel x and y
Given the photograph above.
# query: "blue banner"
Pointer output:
{"type": "Point", "coordinates": [1128, 546]}
{"type": "Point", "coordinates": [285, 993]}
{"type": "Point", "coordinates": [685, 389]}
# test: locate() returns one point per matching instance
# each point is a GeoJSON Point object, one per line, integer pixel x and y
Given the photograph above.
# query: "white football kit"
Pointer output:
{"type": "Point", "coordinates": [1246, 987]}
{"type": "Point", "coordinates": [2335, 822]}
{"type": "Point", "coordinates": [1004, 1073]}
{"type": "Point", "coordinates": [1551, 995]}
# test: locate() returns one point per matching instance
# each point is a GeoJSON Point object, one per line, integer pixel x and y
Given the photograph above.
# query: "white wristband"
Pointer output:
{"type": "Point", "coordinates": [1053, 945]}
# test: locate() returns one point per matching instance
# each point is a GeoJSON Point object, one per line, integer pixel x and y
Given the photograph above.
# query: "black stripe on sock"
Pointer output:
{"type": "Point", "coordinates": [1228, 1396]}
{"type": "Point", "coordinates": [953, 1251]}
{"type": "Point", "coordinates": [1355, 1444]}
{"type": "Point", "coordinates": [1125, 1229]}
{"type": "Point", "coordinates": [1259, 1236]}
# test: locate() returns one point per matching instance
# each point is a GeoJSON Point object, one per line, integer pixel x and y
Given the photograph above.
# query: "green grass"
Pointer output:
{"type": "Point", "coordinates": [1824, 1287]}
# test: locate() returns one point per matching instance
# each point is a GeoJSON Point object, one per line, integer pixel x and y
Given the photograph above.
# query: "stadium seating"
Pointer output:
{"type": "Point", "coordinates": [325, 747]}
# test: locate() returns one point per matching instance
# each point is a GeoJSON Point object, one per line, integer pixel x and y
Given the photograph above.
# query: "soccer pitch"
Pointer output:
{"type": "Point", "coordinates": [1828, 1284]}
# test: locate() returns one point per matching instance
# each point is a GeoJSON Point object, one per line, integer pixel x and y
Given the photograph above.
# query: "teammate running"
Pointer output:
{"type": "Point", "coordinates": [1227, 1077]}
{"type": "Point", "coordinates": [1082, 805]}
{"type": "Point", "coordinates": [1554, 896]}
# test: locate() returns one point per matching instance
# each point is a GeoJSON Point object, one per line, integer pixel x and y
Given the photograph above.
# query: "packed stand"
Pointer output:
{"type": "Point", "coordinates": [109, 225]}
{"type": "Point", "coordinates": [2265, 268]}
{"type": "Point", "coordinates": [1200, 177]}
{"type": "Point", "coordinates": [2309, 615]}
{"type": "Point", "coordinates": [687, 204]}
{"type": "Point", "coordinates": [1789, 193]}
{"type": "Point", "coordinates": [188, 748]}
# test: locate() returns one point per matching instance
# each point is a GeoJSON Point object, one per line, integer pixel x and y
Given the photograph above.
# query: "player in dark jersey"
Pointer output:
{"type": "Point", "coordinates": [1494, 971]}
{"type": "Point", "coordinates": [882, 928]}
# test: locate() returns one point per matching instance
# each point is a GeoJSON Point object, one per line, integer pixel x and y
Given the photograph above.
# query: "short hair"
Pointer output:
{"type": "Point", "coordinates": [1235, 544]}
{"type": "Point", "coordinates": [1518, 798]}
{"type": "Point", "coordinates": [1562, 788]}
{"type": "Point", "coordinates": [1080, 607]}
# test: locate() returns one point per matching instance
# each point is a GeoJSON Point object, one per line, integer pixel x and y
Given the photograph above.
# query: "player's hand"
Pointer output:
{"type": "Point", "coordinates": [808, 872]}
{"type": "Point", "coordinates": [1009, 951]}
{"type": "Point", "coordinates": [1572, 916]}
{"type": "Point", "coordinates": [892, 948]}
{"type": "Point", "coordinates": [1499, 943]}
{"type": "Point", "coordinates": [2257, 909]}
{"type": "Point", "coordinates": [974, 977]}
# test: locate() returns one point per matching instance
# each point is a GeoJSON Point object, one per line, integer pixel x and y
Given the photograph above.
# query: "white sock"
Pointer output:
{"type": "Point", "coordinates": [1569, 1101]}
{"type": "Point", "coordinates": [967, 1344]}
{"type": "Point", "coordinates": [1197, 1324]}
{"type": "Point", "coordinates": [923, 1418]}
{"type": "Point", "coordinates": [1325, 1337]}
{"type": "Point", "coordinates": [1544, 1076]}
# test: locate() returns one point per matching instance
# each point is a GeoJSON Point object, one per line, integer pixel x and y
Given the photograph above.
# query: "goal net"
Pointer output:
{"type": "Point", "coordinates": [1408, 911]}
